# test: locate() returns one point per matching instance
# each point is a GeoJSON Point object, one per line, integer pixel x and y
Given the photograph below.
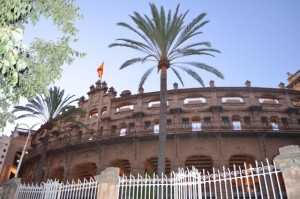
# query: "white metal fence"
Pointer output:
{"type": "Point", "coordinates": [260, 182]}
{"type": "Point", "coordinates": [86, 189]}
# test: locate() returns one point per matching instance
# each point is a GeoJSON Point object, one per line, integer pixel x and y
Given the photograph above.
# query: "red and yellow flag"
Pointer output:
{"type": "Point", "coordinates": [100, 70]}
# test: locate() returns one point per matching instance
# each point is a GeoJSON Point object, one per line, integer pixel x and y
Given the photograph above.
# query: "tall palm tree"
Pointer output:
{"type": "Point", "coordinates": [163, 42]}
{"type": "Point", "coordinates": [49, 109]}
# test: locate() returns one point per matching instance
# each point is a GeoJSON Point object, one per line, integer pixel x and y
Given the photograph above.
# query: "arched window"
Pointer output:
{"type": "Point", "coordinates": [194, 100]}
{"type": "Point", "coordinates": [296, 101]}
{"type": "Point", "coordinates": [232, 99]}
{"type": "Point", "coordinates": [274, 123]}
{"type": "Point", "coordinates": [123, 164]}
{"type": "Point", "coordinates": [123, 129]}
{"type": "Point", "coordinates": [155, 103]}
{"type": "Point", "coordinates": [131, 127]}
{"type": "Point", "coordinates": [113, 129]}
{"type": "Point", "coordinates": [84, 171]}
{"type": "Point", "coordinates": [147, 125]}
{"type": "Point", "coordinates": [91, 134]}
{"type": "Point", "coordinates": [196, 123]}
{"type": "Point", "coordinates": [104, 110]}
{"type": "Point", "coordinates": [94, 113]}
{"type": "Point", "coordinates": [127, 107]}
{"type": "Point", "coordinates": [268, 99]}
{"type": "Point", "coordinates": [200, 162]}
{"type": "Point", "coordinates": [58, 174]}
{"type": "Point", "coordinates": [236, 122]}
{"type": "Point", "coordinates": [244, 162]}
{"type": "Point", "coordinates": [264, 122]}
{"type": "Point", "coordinates": [225, 121]}
{"type": "Point", "coordinates": [241, 160]}
{"type": "Point", "coordinates": [156, 126]}
{"type": "Point", "coordinates": [151, 166]}
{"type": "Point", "coordinates": [185, 122]}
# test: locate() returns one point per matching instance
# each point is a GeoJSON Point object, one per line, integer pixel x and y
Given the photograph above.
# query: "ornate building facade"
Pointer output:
{"type": "Point", "coordinates": [206, 127]}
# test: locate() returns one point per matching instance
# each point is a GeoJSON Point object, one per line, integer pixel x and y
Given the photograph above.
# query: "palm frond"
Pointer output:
{"type": "Point", "coordinates": [175, 27]}
{"type": "Point", "coordinates": [145, 76]}
{"type": "Point", "coordinates": [178, 75]}
{"type": "Point", "coordinates": [130, 62]}
{"type": "Point", "coordinates": [190, 29]}
{"type": "Point", "coordinates": [135, 31]}
{"type": "Point", "coordinates": [126, 45]}
{"type": "Point", "coordinates": [193, 74]}
{"type": "Point", "coordinates": [136, 43]}
{"type": "Point", "coordinates": [207, 68]}
{"type": "Point", "coordinates": [46, 107]}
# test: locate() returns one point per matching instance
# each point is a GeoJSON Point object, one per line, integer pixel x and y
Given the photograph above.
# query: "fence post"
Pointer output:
{"type": "Point", "coordinates": [10, 188]}
{"type": "Point", "coordinates": [289, 163]}
{"type": "Point", "coordinates": [108, 182]}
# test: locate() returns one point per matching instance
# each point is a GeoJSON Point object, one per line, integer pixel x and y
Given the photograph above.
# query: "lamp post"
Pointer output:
{"type": "Point", "coordinates": [15, 134]}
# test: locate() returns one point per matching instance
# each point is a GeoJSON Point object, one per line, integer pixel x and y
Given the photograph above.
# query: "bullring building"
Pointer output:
{"type": "Point", "coordinates": [206, 127]}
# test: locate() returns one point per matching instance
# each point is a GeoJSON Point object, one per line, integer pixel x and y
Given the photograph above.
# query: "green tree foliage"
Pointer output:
{"type": "Point", "coordinates": [26, 70]}
{"type": "Point", "coordinates": [163, 42]}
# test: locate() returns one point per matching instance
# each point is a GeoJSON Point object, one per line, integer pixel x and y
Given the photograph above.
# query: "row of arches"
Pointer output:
{"type": "Point", "coordinates": [200, 162]}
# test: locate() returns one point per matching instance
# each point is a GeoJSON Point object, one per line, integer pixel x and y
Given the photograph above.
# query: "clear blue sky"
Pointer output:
{"type": "Point", "coordinates": [259, 41]}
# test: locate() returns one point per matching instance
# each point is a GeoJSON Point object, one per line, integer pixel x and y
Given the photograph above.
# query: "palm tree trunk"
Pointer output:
{"type": "Point", "coordinates": [39, 173]}
{"type": "Point", "coordinates": [162, 122]}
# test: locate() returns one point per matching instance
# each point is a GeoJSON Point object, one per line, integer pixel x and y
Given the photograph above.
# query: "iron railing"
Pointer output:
{"type": "Point", "coordinates": [86, 189]}
{"type": "Point", "coordinates": [261, 181]}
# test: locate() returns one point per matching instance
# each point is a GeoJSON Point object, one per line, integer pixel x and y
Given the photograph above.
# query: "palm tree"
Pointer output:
{"type": "Point", "coordinates": [50, 109]}
{"type": "Point", "coordinates": [163, 42]}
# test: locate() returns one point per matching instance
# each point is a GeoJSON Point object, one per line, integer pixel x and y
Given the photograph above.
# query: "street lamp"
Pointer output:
{"type": "Point", "coordinates": [15, 134]}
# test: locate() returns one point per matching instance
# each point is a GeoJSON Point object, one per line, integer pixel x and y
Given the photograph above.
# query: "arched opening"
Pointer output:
{"type": "Point", "coordinates": [123, 164]}
{"type": "Point", "coordinates": [244, 162]}
{"type": "Point", "coordinates": [91, 134]}
{"type": "Point", "coordinates": [274, 123]}
{"type": "Point", "coordinates": [151, 166]}
{"type": "Point", "coordinates": [104, 110]}
{"type": "Point", "coordinates": [239, 160]}
{"type": "Point", "coordinates": [268, 99]}
{"type": "Point", "coordinates": [264, 122]}
{"type": "Point", "coordinates": [123, 129]}
{"type": "Point", "coordinates": [84, 171]}
{"type": "Point", "coordinates": [194, 100]}
{"type": "Point", "coordinates": [156, 126]}
{"type": "Point", "coordinates": [232, 99]}
{"type": "Point", "coordinates": [296, 101]}
{"type": "Point", "coordinates": [94, 113]}
{"type": "Point", "coordinates": [58, 174]}
{"type": "Point", "coordinates": [200, 162]}
{"type": "Point", "coordinates": [125, 107]}
{"type": "Point", "coordinates": [196, 123]}
{"type": "Point", "coordinates": [131, 127]}
{"type": "Point", "coordinates": [236, 122]}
